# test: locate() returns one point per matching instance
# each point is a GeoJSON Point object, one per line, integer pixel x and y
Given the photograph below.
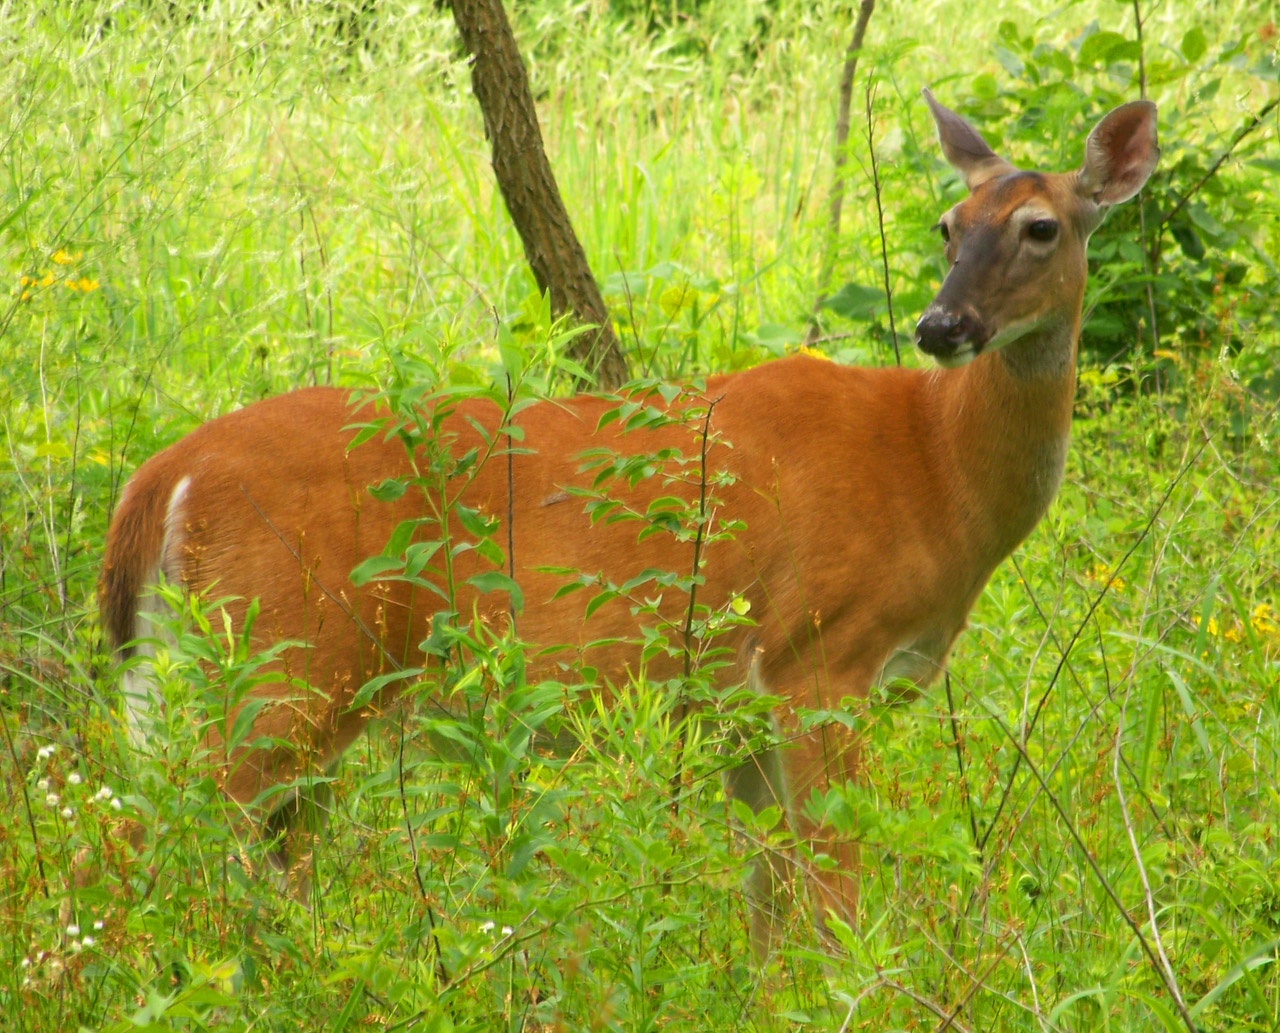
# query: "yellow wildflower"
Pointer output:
{"type": "Point", "coordinates": [1101, 574]}
{"type": "Point", "coordinates": [1214, 630]}
{"type": "Point", "coordinates": [813, 353]}
{"type": "Point", "coordinates": [1263, 620]}
{"type": "Point", "coordinates": [61, 257]}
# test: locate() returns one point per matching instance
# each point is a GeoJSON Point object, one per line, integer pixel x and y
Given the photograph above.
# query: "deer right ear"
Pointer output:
{"type": "Point", "coordinates": [1120, 154]}
{"type": "Point", "coordinates": [967, 152]}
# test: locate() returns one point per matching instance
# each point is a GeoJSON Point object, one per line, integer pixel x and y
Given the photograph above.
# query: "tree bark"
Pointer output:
{"type": "Point", "coordinates": [528, 186]}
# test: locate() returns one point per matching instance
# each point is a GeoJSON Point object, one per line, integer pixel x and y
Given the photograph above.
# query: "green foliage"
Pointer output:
{"type": "Point", "coordinates": [203, 203]}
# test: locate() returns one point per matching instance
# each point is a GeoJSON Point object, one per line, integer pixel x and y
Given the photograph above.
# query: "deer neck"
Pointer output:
{"type": "Point", "coordinates": [1006, 421]}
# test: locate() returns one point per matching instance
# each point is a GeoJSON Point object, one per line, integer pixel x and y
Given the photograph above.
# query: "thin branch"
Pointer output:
{"type": "Point", "coordinates": [699, 535]}
{"type": "Point", "coordinates": [1244, 131]}
{"type": "Point", "coordinates": [1096, 869]}
{"type": "Point", "coordinates": [1142, 63]}
{"type": "Point", "coordinates": [963, 776]}
{"type": "Point", "coordinates": [884, 246]}
{"type": "Point", "coordinates": [1148, 250]}
{"type": "Point", "coordinates": [1075, 636]}
{"type": "Point", "coordinates": [841, 155]}
{"type": "Point", "coordinates": [1170, 978]}
{"type": "Point", "coordinates": [699, 538]}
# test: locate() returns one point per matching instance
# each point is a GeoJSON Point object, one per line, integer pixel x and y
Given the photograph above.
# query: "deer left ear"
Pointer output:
{"type": "Point", "coordinates": [965, 149]}
{"type": "Point", "coordinates": [1120, 154]}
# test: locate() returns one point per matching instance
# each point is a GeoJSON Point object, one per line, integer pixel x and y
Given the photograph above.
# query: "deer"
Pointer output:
{"type": "Point", "coordinates": [870, 508]}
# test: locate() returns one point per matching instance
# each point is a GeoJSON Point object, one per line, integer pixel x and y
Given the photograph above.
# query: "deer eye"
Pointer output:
{"type": "Point", "coordinates": [946, 233]}
{"type": "Point", "coordinates": [1042, 230]}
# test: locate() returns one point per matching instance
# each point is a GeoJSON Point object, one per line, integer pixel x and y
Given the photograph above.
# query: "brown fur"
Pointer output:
{"type": "Point", "coordinates": [876, 504]}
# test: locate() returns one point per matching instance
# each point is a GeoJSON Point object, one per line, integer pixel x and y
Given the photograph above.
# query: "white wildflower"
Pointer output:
{"type": "Point", "coordinates": [74, 779]}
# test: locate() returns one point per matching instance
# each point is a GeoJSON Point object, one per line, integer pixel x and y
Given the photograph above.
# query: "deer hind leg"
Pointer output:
{"type": "Point", "coordinates": [282, 789]}
{"type": "Point", "coordinates": [817, 761]}
{"type": "Point", "coordinates": [293, 829]}
{"type": "Point", "coordinates": [759, 782]}
{"type": "Point", "coordinates": [785, 775]}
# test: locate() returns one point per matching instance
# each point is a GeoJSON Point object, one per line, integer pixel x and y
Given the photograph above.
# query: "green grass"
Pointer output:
{"type": "Point", "coordinates": [203, 205]}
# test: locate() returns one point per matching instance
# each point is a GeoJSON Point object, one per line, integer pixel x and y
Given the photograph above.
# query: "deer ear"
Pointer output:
{"type": "Point", "coordinates": [967, 152]}
{"type": "Point", "coordinates": [1120, 154]}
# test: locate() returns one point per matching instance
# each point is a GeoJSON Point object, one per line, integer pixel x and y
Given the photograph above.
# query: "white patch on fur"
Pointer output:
{"type": "Point", "coordinates": [138, 685]}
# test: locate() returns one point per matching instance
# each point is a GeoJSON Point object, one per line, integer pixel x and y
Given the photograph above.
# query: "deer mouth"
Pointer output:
{"type": "Point", "coordinates": [951, 338]}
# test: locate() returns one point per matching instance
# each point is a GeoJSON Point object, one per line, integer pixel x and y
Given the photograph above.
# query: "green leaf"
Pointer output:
{"type": "Point", "coordinates": [20, 208]}
{"type": "Point", "coordinates": [1188, 239]}
{"type": "Point", "coordinates": [776, 337]}
{"type": "Point", "coordinates": [475, 522]}
{"type": "Point", "coordinates": [1106, 48]}
{"type": "Point", "coordinates": [1010, 62]}
{"type": "Point", "coordinates": [597, 602]}
{"type": "Point", "coordinates": [1189, 708]}
{"type": "Point", "coordinates": [854, 301]}
{"type": "Point", "coordinates": [373, 568]}
{"type": "Point", "coordinates": [417, 556]}
{"type": "Point", "coordinates": [1194, 45]}
{"type": "Point", "coordinates": [496, 581]}
{"type": "Point", "coordinates": [389, 490]}
{"type": "Point", "coordinates": [374, 686]}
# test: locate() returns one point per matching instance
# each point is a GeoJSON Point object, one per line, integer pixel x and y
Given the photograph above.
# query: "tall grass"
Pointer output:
{"type": "Point", "coordinates": [205, 203]}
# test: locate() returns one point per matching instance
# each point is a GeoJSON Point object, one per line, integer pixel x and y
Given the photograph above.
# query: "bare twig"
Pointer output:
{"type": "Point", "coordinates": [511, 500]}
{"type": "Point", "coordinates": [1164, 975]}
{"type": "Point", "coordinates": [1148, 249]}
{"type": "Point", "coordinates": [699, 535]}
{"type": "Point", "coordinates": [1170, 978]}
{"type": "Point", "coordinates": [27, 809]}
{"type": "Point", "coordinates": [699, 538]}
{"type": "Point", "coordinates": [1142, 64]}
{"type": "Point", "coordinates": [841, 156]}
{"type": "Point", "coordinates": [1243, 131]}
{"type": "Point", "coordinates": [889, 984]}
{"type": "Point", "coordinates": [884, 247]}
{"type": "Point", "coordinates": [1075, 636]}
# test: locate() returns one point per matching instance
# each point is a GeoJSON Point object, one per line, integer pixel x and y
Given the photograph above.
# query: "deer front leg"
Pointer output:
{"type": "Point", "coordinates": [805, 759]}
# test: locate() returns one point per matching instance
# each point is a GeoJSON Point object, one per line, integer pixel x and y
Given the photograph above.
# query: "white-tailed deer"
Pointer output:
{"type": "Point", "coordinates": [875, 504]}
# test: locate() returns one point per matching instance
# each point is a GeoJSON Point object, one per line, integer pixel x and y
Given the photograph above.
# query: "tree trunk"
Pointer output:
{"type": "Point", "coordinates": [528, 186]}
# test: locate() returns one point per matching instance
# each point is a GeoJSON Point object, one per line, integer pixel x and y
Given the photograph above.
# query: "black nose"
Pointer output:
{"type": "Point", "coordinates": [941, 332]}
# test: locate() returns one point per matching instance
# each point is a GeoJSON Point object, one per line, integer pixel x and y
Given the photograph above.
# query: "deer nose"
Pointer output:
{"type": "Point", "coordinates": [942, 332]}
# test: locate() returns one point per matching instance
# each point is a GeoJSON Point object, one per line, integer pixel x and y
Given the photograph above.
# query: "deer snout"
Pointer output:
{"type": "Point", "coordinates": [952, 337]}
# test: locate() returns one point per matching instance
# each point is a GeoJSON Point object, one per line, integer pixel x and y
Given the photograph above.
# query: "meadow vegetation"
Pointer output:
{"type": "Point", "coordinates": [204, 203]}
